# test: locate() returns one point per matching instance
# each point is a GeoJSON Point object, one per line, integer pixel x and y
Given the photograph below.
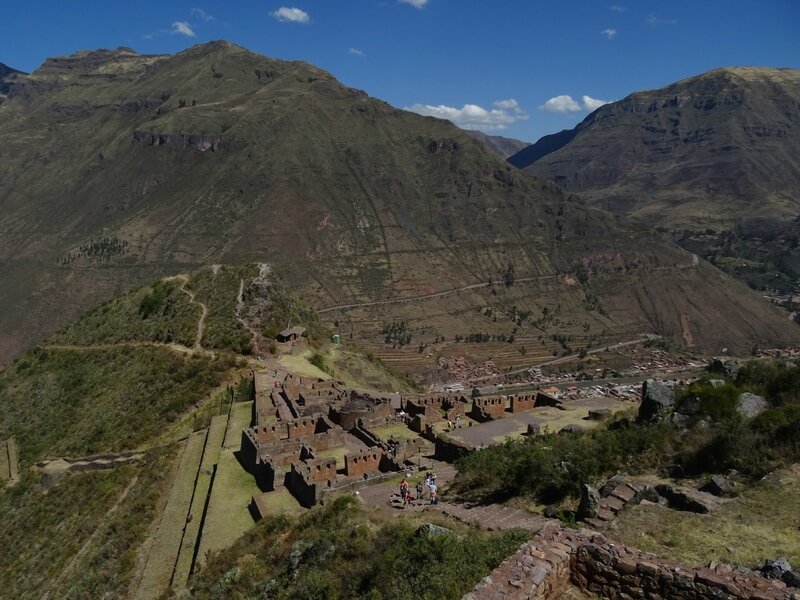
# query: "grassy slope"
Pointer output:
{"type": "Point", "coordinates": [73, 402]}
{"type": "Point", "coordinates": [759, 524]}
{"type": "Point", "coordinates": [342, 551]}
{"type": "Point", "coordinates": [161, 312]}
{"type": "Point", "coordinates": [48, 529]}
{"type": "Point", "coordinates": [218, 289]}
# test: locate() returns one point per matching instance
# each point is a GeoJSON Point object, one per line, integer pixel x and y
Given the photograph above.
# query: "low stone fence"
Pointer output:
{"type": "Point", "coordinates": [556, 558]}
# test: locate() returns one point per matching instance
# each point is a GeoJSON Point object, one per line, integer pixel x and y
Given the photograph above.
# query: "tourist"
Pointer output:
{"type": "Point", "coordinates": [458, 421]}
{"type": "Point", "coordinates": [420, 490]}
{"type": "Point", "coordinates": [434, 498]}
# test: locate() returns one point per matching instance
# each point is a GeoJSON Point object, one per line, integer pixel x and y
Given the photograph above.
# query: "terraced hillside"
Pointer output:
{"type": "Point", "coordinates": [117, 168]}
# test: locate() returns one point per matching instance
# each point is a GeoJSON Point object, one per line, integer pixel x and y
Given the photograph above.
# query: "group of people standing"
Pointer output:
{"type": "Point", "coordinates": [429, 483]}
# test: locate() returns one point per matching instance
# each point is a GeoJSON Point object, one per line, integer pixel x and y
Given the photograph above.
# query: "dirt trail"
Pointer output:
{"type": "Point", "coordinates": [686, 333]}
{"type": "Point", "coordinates": [201, 322]}
{"type": "Point", "coordinates": [110, 346]}
{"type": "Point", "coordinates": [474, 286]}
{"type": "Point", "coordinates": [694, 263]}
{"type": "Point", "coordinates": [85, 548]}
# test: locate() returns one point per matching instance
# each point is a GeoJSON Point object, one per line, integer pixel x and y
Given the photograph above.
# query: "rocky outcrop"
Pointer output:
{"type": "Point", "coordinates": [750, 405]}
{"type": "Point", "coordinates": [191, 141]}
{"type": "Point", "coordinates": [687, 499]}
{"type": "Point", "coordinates": [613, 496]}
{"type": "Point", "coordinates": [589, 503]}
{"type": "Point", "coordinates": [781, 570]}
{"type": "Point", "coordinates": [719, 485]}
{"type": "Point", "coordinates": [658, 401]}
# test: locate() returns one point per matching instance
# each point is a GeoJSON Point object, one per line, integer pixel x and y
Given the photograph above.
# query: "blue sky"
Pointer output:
{"type": "Point", "coordinates": [502, 59]}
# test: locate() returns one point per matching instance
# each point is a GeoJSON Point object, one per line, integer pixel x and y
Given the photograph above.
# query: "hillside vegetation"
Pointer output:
{"type": "Point", "coordinates": [554, 466]}
{"type": "Point", "coordinates": [342, 551]}
{"type": "Point", "coordinates": [75, 402]}
{"type": "Point", "coordinates": [80, 538]}
{"type": "Point", "coordinates": [220, 155]}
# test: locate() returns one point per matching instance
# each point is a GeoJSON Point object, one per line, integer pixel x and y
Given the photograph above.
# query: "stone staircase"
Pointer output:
{"type": "Point", "coordinates": [494, 517]}
{"type": "Point", "coordinates": [614, 496]}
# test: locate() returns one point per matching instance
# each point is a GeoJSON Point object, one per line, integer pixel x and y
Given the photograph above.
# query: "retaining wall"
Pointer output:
{"type": "Point", "coordinates": [545, 566]}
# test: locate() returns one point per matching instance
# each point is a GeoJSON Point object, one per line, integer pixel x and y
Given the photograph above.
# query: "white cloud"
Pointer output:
{"type": "Point", "coordinates": [617, 8]}
{"type": "Point", "coordinates": [286, 14]}
{"type": "Point", "coordinates": [356, 52]}
{"type": "Point", "coordinates": [199, 13]}
{"type": "Point", "coordinates": [415, 3]}
{"type": "Point", "coordinates": [609, 33]}
{"type": "Point", "coordinates": [654, 20]}
{"type": "Point", "coordinates": [592, 104]}
{"type": "Point", "coordinates": [561, 104]}
{"type": "Point", "coordinates": [182, 28]}
{"type": "Point", "coordinates": [472, 116]}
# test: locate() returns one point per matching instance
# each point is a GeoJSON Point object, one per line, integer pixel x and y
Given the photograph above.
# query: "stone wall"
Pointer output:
{"type": "Point", "coordinates": [305, 427]}
{"type": "Point", "coordinates": [357, 464]}
{"type": "Point", "coordinates": [486, 409]}
{"type": "Point", "coordinates": [540, 570]}
{"type": "Point", "coordinates": [543, 568]}
{"type": "Point", "coordinates": [521, 403]}
{"type": "Point", "coordinates": [322, 469]}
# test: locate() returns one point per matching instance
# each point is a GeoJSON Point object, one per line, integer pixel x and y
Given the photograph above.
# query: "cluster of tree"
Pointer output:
{"type": "Point", "coordinates": [103, 250]}
{"type": "Point", "coordinates": [396, 333]}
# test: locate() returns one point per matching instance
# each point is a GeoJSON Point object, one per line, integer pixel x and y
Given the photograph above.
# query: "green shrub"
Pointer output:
{"type": "Point", "coordinates": [341, 551]}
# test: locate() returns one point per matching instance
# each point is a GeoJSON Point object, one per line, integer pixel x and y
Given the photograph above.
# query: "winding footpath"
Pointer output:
{"type": "Point", "coordinates": [201, 322]}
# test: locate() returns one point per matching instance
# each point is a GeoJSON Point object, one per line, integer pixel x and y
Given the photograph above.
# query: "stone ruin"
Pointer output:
{"type": "Point", "coordinates": [302, 424]}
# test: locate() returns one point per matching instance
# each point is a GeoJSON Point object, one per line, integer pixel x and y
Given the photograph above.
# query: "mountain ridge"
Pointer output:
{"type": "Point", "coordinates": [708, 159]}
{"type": "Point", "coordinates": [118, 168]}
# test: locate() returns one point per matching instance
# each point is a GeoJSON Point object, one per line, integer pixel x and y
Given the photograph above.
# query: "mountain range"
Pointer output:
{"type": "Point", "coordinates": [713, 159]}
{"type": "Point", "coordinates": [117, 168]}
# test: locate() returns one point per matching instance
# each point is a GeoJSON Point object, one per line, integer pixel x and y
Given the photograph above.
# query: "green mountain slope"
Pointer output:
{"type": "Point", "coordinates": [116, 169]}
{"type": "Point", "coordinates": [129, 375]}
{"type": "Point", "coordinates": [714, 159]}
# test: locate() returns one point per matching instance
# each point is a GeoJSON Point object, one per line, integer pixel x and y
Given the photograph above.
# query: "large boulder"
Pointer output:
{"type": "Point", "coordinates": [681, 498]}
{"type": "Point", "coordinates": [589, 504]}
{"type": "Point", "coordinates": [781, 569]}
{"type": "Point", "coordinates": [719, 485]}
{"type": "Point", "coordinates": [600, 414]}
{"type": "Point", "coordinates": [430, 530]}
{"type": "Point", "coordinates": [725, 366]}
{"type": "Point", "coordinates": [750, 405]}
{"type": "Point", "coordinates": [658, 401]}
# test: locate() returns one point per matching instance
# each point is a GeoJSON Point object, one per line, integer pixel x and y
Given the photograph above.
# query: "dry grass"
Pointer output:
{"type": "Point", "coordinates": [761, 523]}
{"type": "Point", "coordinates": [337, 453]}
{"type": "Point", "coordinates": [299, 365]}
{"type": "Point", "coordinates": [164, 551]}
{"type": "Point", "coordinates": [281, 501]}
{"type": "Point", "coordinates": [397, 431]}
